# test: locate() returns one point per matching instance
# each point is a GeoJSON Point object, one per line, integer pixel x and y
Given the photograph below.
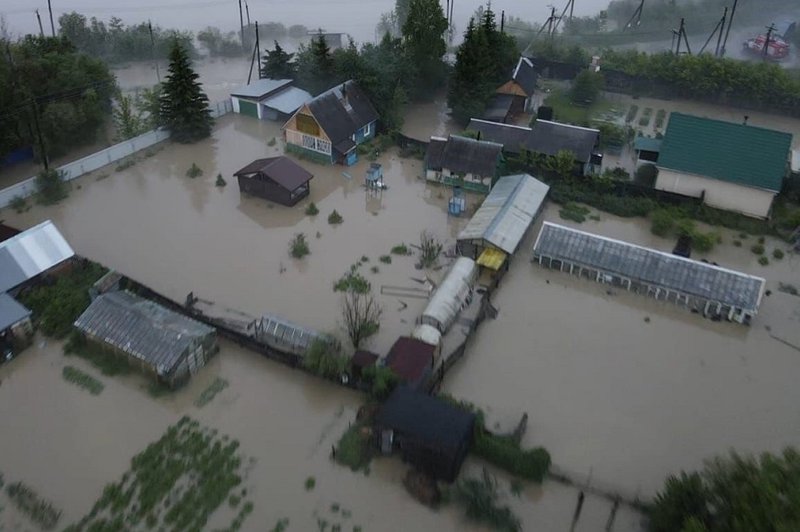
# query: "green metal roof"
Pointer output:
{"type": "Point", "coordinates": [737, 153]}
{"type": "Point", "coordinates": [647, 144]}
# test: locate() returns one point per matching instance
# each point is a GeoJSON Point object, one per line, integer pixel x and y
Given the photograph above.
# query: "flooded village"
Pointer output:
{"type": "Point", "coordinates": [557, 358]}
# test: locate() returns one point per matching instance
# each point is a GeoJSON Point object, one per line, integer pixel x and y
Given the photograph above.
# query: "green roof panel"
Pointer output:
{"type": "Point", "coordinates": [742, 154]}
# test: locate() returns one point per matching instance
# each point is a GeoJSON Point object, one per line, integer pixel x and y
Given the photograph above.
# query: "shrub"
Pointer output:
{"type": "Point", "coordinates": [375, 269]}
{"type": "Point", "coordinates": [82, 379]}
{"type": "Point", "coordinates": [272, 142]}
{"type": "Point", "coordinates": [40, 511]}
{"type": "Point", "coordinates": [531, 464]}
{"type": "Point", "coordinates": [646, 175]}
{"type": "Point", "coordinates": [298, 247]}
{"type": "Point", "coordinates": [573, 211]}
{"type": "Point", "coordinates": [758, 249]}
{"type": "Point", "coordinates": [737, 243]}
{"type": "Point", "coordinates": [382, 381]}
{"type": "Point", "coordinates": [386, 259]}
{"type": "Point", "coordinates": [479, 498]}
{"type": "Point", "coordinates": [312, 209]}
{"type": "Point", "coordinates": [364, 259]}
{"type": "Point", "coordinates": [220, 182]}
{"type": "Point", "coordinates": [430, 248]}
{"type": "Point", "coordinates": [353, 449]}
{"type": "Point", "coordinates": [761, 240]}
{"type": "Point", "coordinates": [763, 260]}
{"type": "Point", "coordinates": [209, 393]}
{"type": "Point", "coordinates": [662, 222]}
{"type": "Point", "coordinates": [310, 483]}
{"type": "Point", "coordinates": [335, 218]}
{"type": "Point", "coordinates": [401, 249]}
{"type": "Point", "coordinates": [324, 358]}
{"type": "Point", "coordinates": [50, 186]}
{"type": "Point", "coordinates": [777, 254]}
{"type": "Point", "coordinates": [194, 171]}
{"type": "Point", "coordinates": [19, 204]}
{"type": "Point", "coordinates": [704, 242]}
{"type": "Point", "coordinates": [352, 281]}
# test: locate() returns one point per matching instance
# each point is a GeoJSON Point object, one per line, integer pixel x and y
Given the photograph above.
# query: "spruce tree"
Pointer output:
{"type": "Point", "coordinates": [278, 64]}
{"type": "Point", "coordinates": [184, 106]}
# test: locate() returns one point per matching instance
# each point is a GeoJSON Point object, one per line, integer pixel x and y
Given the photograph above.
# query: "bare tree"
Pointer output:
{"type": "Point", "coordinates": [362, 316]}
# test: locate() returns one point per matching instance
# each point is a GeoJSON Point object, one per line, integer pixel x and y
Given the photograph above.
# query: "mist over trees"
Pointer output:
{"type": "Point", "coordinates": [72, 93]}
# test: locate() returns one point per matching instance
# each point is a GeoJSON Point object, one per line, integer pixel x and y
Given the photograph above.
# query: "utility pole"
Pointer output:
{"type": "Point", "coordinates": [52, 26]}
{"type": "Point", "coordinates": [258, 51]}
{"type": "Point", "coordinates": [247, 10]}
{"type": "Point", "coordinates": [502, 20]}
{"type": "Point", "coordinates": [570, 6]}
{"type": "Point", "coordinates": [41, 30]}
{"type": "Point", "coordinates": [682, 33]}
{"type": "Point", "coordinates": [241, 24]}
{"type": "Point", "coordinates": [637, 14]}
{"type": "Point", "coordinates": [770, 29]}
{"type": "Point", "coordinates": [721, 29]}
{"type": "Point", "coordinates": [153, 50]}
{"type": "Point", "coordinates": [717, 29]}
{"type": "Point", "coordinates": [728, 30]}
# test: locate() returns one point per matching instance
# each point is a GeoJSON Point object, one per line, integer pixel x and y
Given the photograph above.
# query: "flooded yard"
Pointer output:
{"type": "Point", "coordinates": [624, 390]}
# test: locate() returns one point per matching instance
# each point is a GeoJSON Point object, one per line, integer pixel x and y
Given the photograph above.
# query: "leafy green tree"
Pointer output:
{"type": "Point", "coordinates": [562, 164]}
{"type": "Point", "coordinates": [219, 44]}
{"type": "Point", "coordinates": [148, 102]}
{"type": "Point", "coordinates": [184, 105]}
{"type": "Point", "coordinates": [128, 119]}
{"type": "Point", "coordinates": [586, 87]}
{"type": "Point", "coordinates": [733, 493]}
{"type": "Point", "coordinates": [278, 64]}
{"type": "Point", "coordinates": [424, 42]}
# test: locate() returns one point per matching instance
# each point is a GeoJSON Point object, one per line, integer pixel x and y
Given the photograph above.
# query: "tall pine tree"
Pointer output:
{"type": "Point", "coordinates": [278, 64]}
{"type": "Point", "coordinates": [424, 41]}
{"type": "Point", "coordinates": [184, 106]}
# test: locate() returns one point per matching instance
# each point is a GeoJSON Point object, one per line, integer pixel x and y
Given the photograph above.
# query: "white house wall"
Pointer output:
{"type": "Point", "coordinates": [720, 194]}
{"type": "Point", "coordinates": [235, 102]}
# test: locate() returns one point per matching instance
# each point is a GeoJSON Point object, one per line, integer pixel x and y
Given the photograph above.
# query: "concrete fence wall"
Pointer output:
{"type": "Point", "coordinates": [104, 157]}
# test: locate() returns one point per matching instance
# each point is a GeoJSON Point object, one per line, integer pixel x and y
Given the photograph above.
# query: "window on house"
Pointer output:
{"type": "Point", "coordinates": [367, 129]}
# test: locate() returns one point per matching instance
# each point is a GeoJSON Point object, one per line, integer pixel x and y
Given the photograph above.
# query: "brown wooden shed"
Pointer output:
{"type": "Point", "coordinates": [277, 179]}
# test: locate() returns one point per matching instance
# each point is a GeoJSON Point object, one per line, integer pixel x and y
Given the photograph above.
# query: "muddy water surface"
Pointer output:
{"type": "Point", "coordinates": [621, 402]}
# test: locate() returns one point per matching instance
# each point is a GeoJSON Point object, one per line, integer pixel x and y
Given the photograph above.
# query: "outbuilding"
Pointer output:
{"type": "Point", "coordinates": [411, 360]}
{"type": "Point", "coordinates": [269, 99]}
{"type": "Point", "coordinates": [452, 295]}
{"type": "Point", "coordinates": [32, 253]}
{"type": "Point", "coordinates": [734, 167]}
{"type": "Point", "coordinates": [169, 346]}
{"type": "Point", "coordinates": [462, 161]}
{"type": "Point", "coordinates": [277, 179]}
{"type": "Point", "coordinates": [432, 435]}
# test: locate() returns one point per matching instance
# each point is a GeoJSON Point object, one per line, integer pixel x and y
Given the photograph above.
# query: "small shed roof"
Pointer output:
{"type": "Point", "coordinates": [410, 359]}
{"type": "Point", "coordinates": [641, 143]}
{"type": "Point", "coordinates": [11, 312]}
{"type": "Point", "coordinates": [450, 295]}
{"type": "Point", "coordinates": [282, 170]}
{"type": "Point", "coordinates": [142, 328]}
{"type": "Point", "coordinates": [428, 418]}
{"type": "Point", "coordinates": [288, 100]}
{"type": "Point", "coordinates": [525, 75]}
{"type": "Point", "coordinates": [260, 88]}
{"type": "Point", "coordinates": [513, 138]}
{"type": "Point", "coordinates": [507, 212]}
{"type": "Point", "coordinates": [498, 107]}
{"type": "Point", "coordinates": [464, 155]}
{"type": "Point", "coordinates": [550, 137]}
{"type": "Point", "coordinates": [31, 253]}
{"type": "Point", "coordinates": [654, 267]}
{"type": "Point", "coordinates": [737, 153]}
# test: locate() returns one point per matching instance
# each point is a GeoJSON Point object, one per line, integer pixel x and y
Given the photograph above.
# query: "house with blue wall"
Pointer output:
{"type": "Point", "coordinates": [328, 128]}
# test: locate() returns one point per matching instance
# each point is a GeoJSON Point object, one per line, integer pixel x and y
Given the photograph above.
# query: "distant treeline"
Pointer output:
{"type": "Point", "coordinates": [116, 42]}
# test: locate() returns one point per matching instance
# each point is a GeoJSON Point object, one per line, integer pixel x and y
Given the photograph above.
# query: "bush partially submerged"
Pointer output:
{"type": "Point", "coordinates": [480, 500]}
{"type": "Point", "coordinates": [50, 186]}
{"type": "Point", "coordinates": [298, 246]}
{"type": "Point", "coordinates": [335, 218]}
{"type": "Point", "coordinates": [312, 209]}
{"type": "Point", "coordinates": [400, 249]}
{"type": "Point", "coordinates": [573, 211]}
{"type": "Point", "coordinates": [194, 171]}
{"type": "Point", "coordinates": [354, 449]}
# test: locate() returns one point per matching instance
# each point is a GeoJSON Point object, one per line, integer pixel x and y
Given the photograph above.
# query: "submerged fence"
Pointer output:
{"type": "Point", "coordinates": [104, 157]}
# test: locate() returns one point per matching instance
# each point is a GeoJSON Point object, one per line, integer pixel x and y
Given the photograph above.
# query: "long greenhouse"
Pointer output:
{"type": "Point", "coordinates": [706, 288]}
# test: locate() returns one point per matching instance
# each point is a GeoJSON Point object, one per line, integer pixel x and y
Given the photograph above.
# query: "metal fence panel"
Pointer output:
{"type": "Point", "coordinates": [104, 157]}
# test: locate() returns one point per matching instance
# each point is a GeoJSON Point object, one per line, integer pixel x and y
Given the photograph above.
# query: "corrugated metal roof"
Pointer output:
{"type": "Point", "coordinates": [512, 137]}
{"type": "Point", "coordinates": [31, 253]}
{"type": "Point", "coordinates": [507, 212]}
{"type": "Point", "coordinates": [285, 335]}
{"type": "Point", "coordinates": [550, 137]}
{"type": "Point", "coordinates": [142, 328]}
{"type": "Point", "coordinates": [288, 100]}
{"type": "Point", "coordinates": [260, 88]}
{"type": "Point", "coordinates": [651, 266]}
{"type": "Point", "coordinates": [451, 295]}
{"type": "Point", "coordinates": [737, 153]}
{"type": "Point", "coordinates": [11, 312]}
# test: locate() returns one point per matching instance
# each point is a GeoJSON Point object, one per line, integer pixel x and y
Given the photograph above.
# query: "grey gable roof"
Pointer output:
{"type": "Point", "coordinates": [464, 155]}
{"type": "Point", "coordinates": [338, 120]}
{"type": "Point", "coordinates": [513, 138]}
{"type": "Point", "coordinates": [525, 75]}
{"type": "Point", "coordinates": [551, 137]}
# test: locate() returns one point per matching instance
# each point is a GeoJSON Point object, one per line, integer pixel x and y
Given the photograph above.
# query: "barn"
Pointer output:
{"type": "Point", "coordinates": [734, 167]}
{"type": "Point", "coordinates": [277, 179]}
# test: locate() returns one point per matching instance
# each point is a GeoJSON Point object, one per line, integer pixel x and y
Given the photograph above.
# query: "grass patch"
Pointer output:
{"type": "Point", "coordinates": [209, 393]}
{"type": "Point", "coordinates": [573, 211]}
{"type": "Point", "coordinates": [353, 449]}
{"type": "Point", "coordinates": [220, 182]}
{"type": "Point", "coordinates": [565, 110]}
{"type": "Point", "coordinates": [386, 259]}
{"type": "Point", "coordinates": [298, 246]}
{"type": "Point", "coordinates": [40, 511]}
{"type": "Point", "coordinates": [352, 281]}
{"type": "Point", "coordinates": [310, 483]}
{"type": "Point", "coordinates": [401, 249]}
{"type": "Point", "coordinates": [107, 363]}
{"type": "Point", "coordinates": [82, 379]}
{"type": "Point", "coordinates": [176, 484]}
{"type": "Point", "coordinates": [311, 209]}
{"type": "Point", "coordinates": [56, 306]}
{"type": "Point", "coordinates": [335, 218]}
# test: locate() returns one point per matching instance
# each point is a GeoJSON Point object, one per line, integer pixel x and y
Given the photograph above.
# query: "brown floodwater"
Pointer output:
{"type": "Point", "coordinates": [621, 402]}
{"type": "Point", "coordinates": [178, 234]}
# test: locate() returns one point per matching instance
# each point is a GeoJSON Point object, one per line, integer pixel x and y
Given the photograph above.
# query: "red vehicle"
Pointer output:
{"type": "Point", "coordinates": [778, 49]}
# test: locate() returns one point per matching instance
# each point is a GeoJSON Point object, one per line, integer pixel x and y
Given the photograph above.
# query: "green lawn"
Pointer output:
{"type": "Point", "coordinates": [566, 111]}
